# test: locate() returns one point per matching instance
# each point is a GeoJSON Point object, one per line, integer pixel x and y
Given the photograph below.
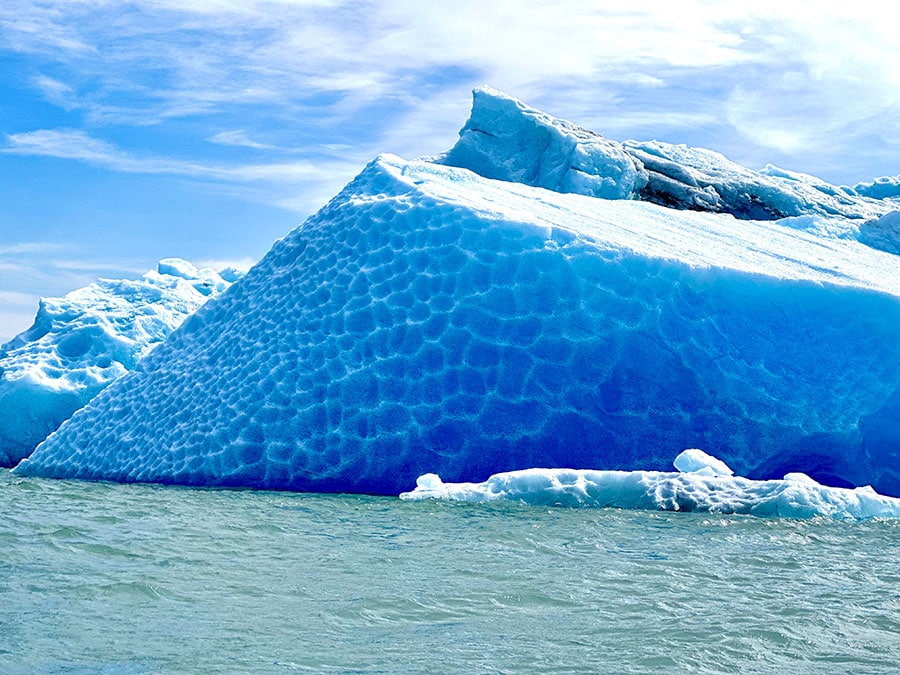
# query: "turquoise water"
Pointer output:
{"type": "Point", "coordinates": [136, 578]}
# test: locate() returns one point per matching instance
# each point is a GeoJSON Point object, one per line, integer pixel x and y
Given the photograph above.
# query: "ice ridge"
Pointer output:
{"type": "Point", "coordinates": [508, 140]}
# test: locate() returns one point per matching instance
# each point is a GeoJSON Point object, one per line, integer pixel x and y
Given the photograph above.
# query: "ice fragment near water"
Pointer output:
{"type": "Point", "coordinates": [698, 462]}
{"type": "Point", "coordinates": [697, 488]}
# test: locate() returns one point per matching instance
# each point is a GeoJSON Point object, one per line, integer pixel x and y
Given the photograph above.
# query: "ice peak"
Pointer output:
{"type": "Point", "coordinates": [508, 140]}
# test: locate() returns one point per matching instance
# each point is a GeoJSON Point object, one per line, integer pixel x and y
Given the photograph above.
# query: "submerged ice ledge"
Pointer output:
{"type": "Point", "coordinates": [703, 483]}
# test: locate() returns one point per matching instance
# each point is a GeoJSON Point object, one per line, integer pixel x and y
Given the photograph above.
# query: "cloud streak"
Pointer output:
{"type": "Point", "coordinates": [77, 145]}
{"type": "Point", "coordinates": [239, 138]}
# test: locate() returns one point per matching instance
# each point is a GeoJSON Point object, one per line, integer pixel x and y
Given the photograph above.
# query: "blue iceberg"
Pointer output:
{"type": "Point", "coordinates": [429, 319]}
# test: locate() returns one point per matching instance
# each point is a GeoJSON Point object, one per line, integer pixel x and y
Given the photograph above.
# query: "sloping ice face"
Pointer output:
{"type": "Point", "coordinates": [431, 320]}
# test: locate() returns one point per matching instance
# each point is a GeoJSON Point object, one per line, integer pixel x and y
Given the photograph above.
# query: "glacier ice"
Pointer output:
{"type": "Point", "coordinates": [81, 342]}
{"type": "Point", "coordinates": [429, 319]}
{"type": "Point", "coordinates": [882, 233]}
{"type": "Point", "coordinates": [703, 489]}
{"type": "Point", "coordinates": [506, 139]}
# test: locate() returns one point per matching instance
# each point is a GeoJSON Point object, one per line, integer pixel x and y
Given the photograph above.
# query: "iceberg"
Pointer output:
{"type": "Point", "coordinates": [703, 490]}
{"type": "Point", "coordinates": [429, 319]}
{"type": "Point", "coordinates": [81, 342]}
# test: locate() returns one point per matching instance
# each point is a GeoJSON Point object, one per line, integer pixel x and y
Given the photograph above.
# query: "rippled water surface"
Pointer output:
{"type": "Point", "coordinates": [134, 578]}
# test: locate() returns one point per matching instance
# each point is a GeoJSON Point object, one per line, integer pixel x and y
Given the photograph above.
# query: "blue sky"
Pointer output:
{"type": "Point", "coordinates": [132, 131]}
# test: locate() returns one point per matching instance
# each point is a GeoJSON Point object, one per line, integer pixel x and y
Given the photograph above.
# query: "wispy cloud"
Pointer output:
{"type": "Point", "coordinates": [239, 138]}
{"type": "Point", "coordinates": [31, 248]}
{"type": "Point", "coordinates": [330, 70]}
{"type": "Point", "coordinates": [77, 145]}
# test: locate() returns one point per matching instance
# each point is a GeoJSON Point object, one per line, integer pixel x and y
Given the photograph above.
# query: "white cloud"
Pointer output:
{"type": "Point", "coordinates": [32, 248]}
{"type": "Point", "coordinates": [377, 67]}
{"type": "Point", "coordinates": [239, 138]}
{"type": "Point", "coordinates": [58, 93]}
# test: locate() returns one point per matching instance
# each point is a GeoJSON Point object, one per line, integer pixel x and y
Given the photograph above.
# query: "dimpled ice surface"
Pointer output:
{"type": "Point", "coordinates": [81, 342]}
{"type": "Point", "coordinates": [431, 320]}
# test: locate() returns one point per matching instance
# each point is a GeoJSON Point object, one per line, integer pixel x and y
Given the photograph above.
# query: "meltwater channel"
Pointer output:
{"type": "Point", "coordinates": [106, 578]}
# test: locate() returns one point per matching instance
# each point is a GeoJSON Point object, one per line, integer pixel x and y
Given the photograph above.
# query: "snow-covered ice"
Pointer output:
{"type": "Point", "coordinates": [694, 460]}
{"type": "Point", "coordinates": [81, 342]}
{"type": "Point", "coordinates": [705, 489]}
{"type": "Point", "coordinates": [432, 320]}
{"type": "Point", "coordinates": [883, 233]}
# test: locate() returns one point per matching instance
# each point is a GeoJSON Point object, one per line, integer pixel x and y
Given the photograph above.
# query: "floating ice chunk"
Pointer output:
{"type": "Point", "coordinates": [797, 496]}
{"type": "Point", "coordinates": [696, 461]}
{"type": "Point", "coordinates": [81, 342]}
